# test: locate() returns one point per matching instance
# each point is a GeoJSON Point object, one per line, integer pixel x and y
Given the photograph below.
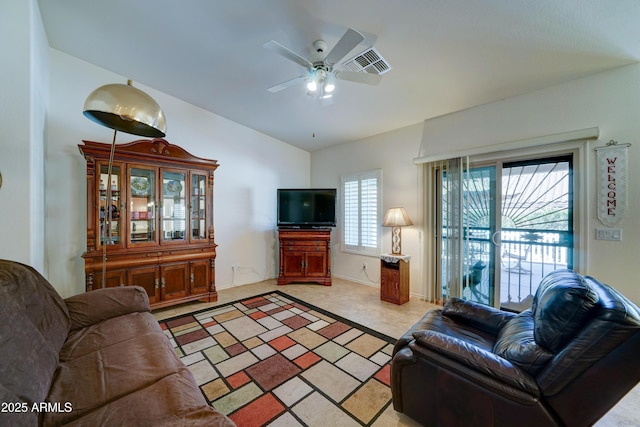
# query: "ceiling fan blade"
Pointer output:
{"type": "Point", "coordinates": [349, 40]}
{"type": "Point", "coordinates": [366, 78]}
{"type": "Point", "coordinates": [284, 85]}
{"type": "Point", "coordinates": [290, 55]}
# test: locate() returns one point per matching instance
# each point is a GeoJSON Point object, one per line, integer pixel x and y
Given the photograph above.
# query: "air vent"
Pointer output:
{"type": "Point", "coordinates": [370, 61]}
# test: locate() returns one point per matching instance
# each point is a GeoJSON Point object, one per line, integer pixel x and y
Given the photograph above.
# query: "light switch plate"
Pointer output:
{"type": "Point", "coordinates": [609, 234]}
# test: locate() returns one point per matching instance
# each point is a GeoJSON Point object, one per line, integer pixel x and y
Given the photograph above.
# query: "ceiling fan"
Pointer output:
{"type": "Point", "coordinates": [321, 74]}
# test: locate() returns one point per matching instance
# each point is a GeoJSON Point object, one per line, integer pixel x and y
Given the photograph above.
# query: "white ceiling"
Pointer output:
{"type": "Point", "coordinates": [447, 55]}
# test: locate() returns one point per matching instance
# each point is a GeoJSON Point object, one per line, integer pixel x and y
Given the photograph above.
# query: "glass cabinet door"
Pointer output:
{"type": "Point", "coordinates": [198, 206]}
{"type": "Point", "coordinates": [110, 221]}
{"type": "Point", "coordinates": [142, 205]}
{"type": "Point", "coordinates": [174, 207]}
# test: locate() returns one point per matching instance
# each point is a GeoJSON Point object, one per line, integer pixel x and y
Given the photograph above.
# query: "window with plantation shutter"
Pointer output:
{"type": "Point", "coordinates": [361, 212]}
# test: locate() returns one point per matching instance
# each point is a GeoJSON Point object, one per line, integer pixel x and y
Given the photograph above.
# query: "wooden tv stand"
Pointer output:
{"type": "Point", "coordinates": [305, 255]}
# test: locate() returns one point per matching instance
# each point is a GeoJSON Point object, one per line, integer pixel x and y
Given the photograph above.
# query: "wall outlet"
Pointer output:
{"type": "Point", "coordinates": [235, 267]}
{"type": "Point", "coordinates": [364, 265]}
{"type": "Point", "coordinates": [609, 234]}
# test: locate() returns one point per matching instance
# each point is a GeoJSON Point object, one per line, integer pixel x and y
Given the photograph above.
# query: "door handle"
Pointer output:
{"type": "Point", "coordinates": [493, 238]}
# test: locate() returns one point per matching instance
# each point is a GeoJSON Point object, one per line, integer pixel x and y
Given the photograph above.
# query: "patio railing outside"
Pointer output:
{"type": "Point", "coordinates": [526, 256]}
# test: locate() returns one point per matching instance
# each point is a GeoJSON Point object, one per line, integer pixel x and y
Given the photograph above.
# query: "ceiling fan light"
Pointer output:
{"type": "Point", "coordinates": [312, 86]}
{"type": "Point", "coordinates": [329, 87]}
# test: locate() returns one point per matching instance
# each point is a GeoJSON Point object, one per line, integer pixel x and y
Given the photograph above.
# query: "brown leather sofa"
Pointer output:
{"type": "Point", "coordinates": [565, 361]}
{"type": "Point", "coordinates": [94, 359]}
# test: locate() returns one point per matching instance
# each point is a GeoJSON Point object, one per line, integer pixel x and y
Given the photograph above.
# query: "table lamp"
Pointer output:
{"type": "Point", "coordinates": [396, 218]}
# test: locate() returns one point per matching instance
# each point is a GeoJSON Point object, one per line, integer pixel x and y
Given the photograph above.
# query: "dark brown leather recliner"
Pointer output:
{"type": "Point", "coordinates": [565, 361]}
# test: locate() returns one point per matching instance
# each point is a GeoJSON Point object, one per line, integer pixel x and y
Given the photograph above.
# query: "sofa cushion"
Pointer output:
{"type": "Point", "coordinates": [174, 400]}
{"type": "Point", "coordinates": [562, 305]}
{"type": "Point", "coordinates": [109, 332]}
{"type": "Point", "coordinates": [516, 344]}
{"type": "Point", "coordinates": [34, 323]}
{"type": "Point", "coordinates": [92, 380]}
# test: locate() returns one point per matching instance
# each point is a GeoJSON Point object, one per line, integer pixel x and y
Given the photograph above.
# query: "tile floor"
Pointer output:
{"type": "Point", "coordinates": [361, 304]}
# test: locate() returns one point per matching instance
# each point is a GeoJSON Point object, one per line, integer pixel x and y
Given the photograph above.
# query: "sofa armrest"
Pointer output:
{"type": "Point", "coordinates": [95, 306]}
{"type": "Point", "coordinates": [476, 358]}
{"type": "Point", "coordinates": [480, 316]}
{"type": "Point", "coordinates": [420, 325]}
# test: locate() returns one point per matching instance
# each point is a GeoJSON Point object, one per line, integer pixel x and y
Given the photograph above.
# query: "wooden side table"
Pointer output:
{"type": "Point", "coordinates": [394, 278]}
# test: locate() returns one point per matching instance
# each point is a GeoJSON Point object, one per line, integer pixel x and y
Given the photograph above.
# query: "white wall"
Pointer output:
{"type": "Point", "coordinates": [23, 100]}
{"type": "Point", "coordinates": [252, 167]}
{"type": "Point", "coordinates": [393, 152]}
{"type": "Point", "coordinates": [609, 100]}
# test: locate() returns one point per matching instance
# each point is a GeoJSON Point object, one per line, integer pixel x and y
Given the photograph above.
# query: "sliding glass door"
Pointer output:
{"type": "Point", "coordinates": [504, 226]}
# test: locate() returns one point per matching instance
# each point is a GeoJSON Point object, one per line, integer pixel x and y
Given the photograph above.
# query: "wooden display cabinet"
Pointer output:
{"type": "Point", "coordinates": [394, 279]}
{"type": "Point", "coordinates": [305, 256]}
{"type": "Point", "coordinates": [161, 233]}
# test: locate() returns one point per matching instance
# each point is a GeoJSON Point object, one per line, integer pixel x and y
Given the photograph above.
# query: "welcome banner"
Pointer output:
{"type": "Point", "coordinates": [612, 167]}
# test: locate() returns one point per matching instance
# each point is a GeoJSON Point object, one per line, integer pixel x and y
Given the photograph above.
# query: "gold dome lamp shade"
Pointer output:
{"type": "Point", "coordinates": [127, 109]}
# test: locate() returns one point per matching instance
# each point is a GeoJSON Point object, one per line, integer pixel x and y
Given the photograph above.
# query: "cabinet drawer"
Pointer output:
{"type": "Point", "coordinates": [304, 243]}
{"type": "Point", "coordinates": [304, 248]}
{"type": "Point", "coordinates": [390, 265]}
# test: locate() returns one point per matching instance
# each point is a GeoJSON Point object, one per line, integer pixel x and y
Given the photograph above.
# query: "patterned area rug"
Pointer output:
{"type": "Point", "coordinates": [274, 360]}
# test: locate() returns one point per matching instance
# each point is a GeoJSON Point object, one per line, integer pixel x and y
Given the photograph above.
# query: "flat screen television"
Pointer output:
{"type": "Point", "coordinates": [315, 207]}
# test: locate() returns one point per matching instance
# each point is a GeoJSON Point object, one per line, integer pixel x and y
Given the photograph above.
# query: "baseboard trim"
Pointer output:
{"type": "Point", "coordinates": [359, 281]}
{"type": "Point", "coordinates": [374, 285]}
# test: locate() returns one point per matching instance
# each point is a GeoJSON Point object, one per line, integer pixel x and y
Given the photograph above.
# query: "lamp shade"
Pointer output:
{"type": "Point", "coordinates": [396, 217]}
{"type": "Point", "coordinates": [127, 109]}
